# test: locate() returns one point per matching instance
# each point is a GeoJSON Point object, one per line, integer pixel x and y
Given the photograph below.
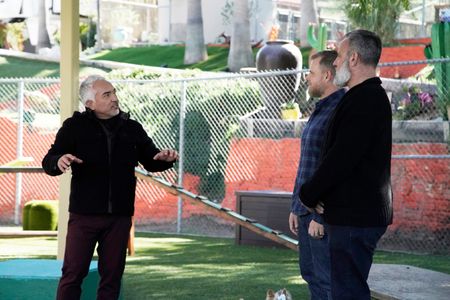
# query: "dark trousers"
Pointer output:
{"type": "Point", "coordinates": [83, 232]}
{"type": "Point", "coordinates": [351, 253]}
{"type": "Point", "coordinates": [314, 257]}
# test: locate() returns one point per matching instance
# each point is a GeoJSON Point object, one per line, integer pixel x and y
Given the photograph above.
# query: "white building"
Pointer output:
{"type": "Point", "coordinates": [127, 22]}
{"type": "Point", "coordinates": [217, 19]}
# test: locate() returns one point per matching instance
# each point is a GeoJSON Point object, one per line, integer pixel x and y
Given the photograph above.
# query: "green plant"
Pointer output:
{"type": "Point", "coordinates": [318, 42]}
{"type": "Point", "coordinates": [379, 16]}
{"type": "Point", "coordinates": [440, 48]}
{"type": "Point", "coordinates": [289, 105]}
{"type": "Point", "coordinates": [14, 36]}
{"type": "Point", "coordinates": [414, 103]}
{"type": "Point", "coordinates": [2, 35]}
{"type": "Point", "coordinates": [211, 120]}
{"type": "Point", "coordinates": [197, 147]}
{"type": "Point", "coordinates": [213, 185]}
{"type": "Point", "coordinates": [87, 34]}
{"type": "Point", "coordinates": [133, 73]}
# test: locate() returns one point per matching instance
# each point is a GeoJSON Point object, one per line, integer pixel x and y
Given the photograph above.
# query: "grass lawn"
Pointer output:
{"type": "Point", "coordinates": [172, 57]}
{"type": "Point", "coordinates": [169, 56]}
{"type": "Point", "coordinates": [19, 67]}
{"type": "Point", "coordinates": [188, 267]}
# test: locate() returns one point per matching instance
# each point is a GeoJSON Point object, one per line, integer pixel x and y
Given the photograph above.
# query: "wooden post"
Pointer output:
{"type": "Point", "coordinates": [69, 67]}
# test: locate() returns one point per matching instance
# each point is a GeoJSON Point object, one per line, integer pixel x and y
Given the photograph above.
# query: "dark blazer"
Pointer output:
{"type": "Point", "coordinates": [353, 179]}
{"type": "Point", "coordinates": [105, 182]}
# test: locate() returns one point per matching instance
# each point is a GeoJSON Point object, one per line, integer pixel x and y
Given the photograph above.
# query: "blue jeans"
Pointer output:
{"type": "Point", "coordinates": [314, 257]}
{"type": "Point", "coordinates": [351, 250]}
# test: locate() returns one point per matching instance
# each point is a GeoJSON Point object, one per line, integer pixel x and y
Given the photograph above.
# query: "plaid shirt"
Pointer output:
{"type": "Point", "coordinates": [312, 139]}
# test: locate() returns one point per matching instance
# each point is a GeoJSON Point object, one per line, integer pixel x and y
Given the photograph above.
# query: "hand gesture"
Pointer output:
{"type": "Point", "coordinates": [168, 155]}
{"type": "Point", "coordinates": [66, 160]}
{"type": "Point", "coordinates": [316, 230]}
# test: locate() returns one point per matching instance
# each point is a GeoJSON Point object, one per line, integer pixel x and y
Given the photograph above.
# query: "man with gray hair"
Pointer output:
{"type": "Point", "coordinates": [351, 186]}
{"type": "Point", "coordinates": [101, 146]}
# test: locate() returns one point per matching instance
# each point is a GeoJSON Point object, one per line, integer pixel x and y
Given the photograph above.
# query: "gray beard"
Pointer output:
{"type": "Point", "coordinates": [343, 75]}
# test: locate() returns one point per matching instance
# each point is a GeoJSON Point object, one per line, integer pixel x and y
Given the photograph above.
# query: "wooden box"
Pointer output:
{"type": "Point", "coordinates": [270, 208]}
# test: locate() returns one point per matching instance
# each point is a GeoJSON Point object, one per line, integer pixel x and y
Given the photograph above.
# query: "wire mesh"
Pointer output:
{"type": "Point", "coordinates": [231, 138]}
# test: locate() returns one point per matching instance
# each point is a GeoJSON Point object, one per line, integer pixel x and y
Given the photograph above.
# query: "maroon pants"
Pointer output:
{"type": "Point", "coordinates": [83, 232]}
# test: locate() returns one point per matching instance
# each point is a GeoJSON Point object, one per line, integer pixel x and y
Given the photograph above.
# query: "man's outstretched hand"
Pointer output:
{"type": "Point", "coordinates": [168, 155]}
{"type": "Point", "coordinates": [66, 160]}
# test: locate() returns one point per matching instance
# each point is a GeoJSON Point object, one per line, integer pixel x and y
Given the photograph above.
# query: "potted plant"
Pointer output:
{"type": "Point", "coordinates": [290, 111]}
{"type": "Point", "coordinates": [417, 104]}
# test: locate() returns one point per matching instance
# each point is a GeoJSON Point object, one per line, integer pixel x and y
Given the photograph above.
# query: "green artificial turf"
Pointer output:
{"type": "Point", "coordinates": [168, 56]}
{"type": "Point", "coordinates": [165, 56]}
{"type": "Point", "coordinates": [172, 57]}
{"type": "Point", "coordinates": [190, 267]}
{"type": "Point", "coordinates": [11, 67]}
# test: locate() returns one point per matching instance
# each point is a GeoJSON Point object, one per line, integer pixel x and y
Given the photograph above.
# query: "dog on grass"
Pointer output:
{"type": "Point", "coordinates": [282, 294]}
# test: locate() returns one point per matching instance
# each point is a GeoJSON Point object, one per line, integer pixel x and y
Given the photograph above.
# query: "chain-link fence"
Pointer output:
{"type": "Point", "coordinates": [231, 138]}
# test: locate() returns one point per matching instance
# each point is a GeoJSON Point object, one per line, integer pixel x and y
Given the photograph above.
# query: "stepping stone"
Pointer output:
{"type": "Point", "coordinates": [402, 282]}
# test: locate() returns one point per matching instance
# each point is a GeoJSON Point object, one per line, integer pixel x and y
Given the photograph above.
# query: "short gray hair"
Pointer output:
{"type": "Point", "coordinates": [367, 44]}
{"type": "Point", "coordinates": [86, 88]}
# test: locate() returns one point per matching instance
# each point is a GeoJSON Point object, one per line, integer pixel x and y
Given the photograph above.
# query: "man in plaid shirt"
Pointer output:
{"type": "Point", "coordinates": [308, 225]}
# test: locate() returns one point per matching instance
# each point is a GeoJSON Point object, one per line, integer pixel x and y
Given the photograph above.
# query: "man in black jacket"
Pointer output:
{"type": "Point", "coordinates": [102, 146]}
{"type": "Point", "coordinates": [352, 184]}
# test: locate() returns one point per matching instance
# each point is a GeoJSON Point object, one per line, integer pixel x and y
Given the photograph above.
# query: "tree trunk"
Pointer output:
{"type": "Point", "coordinates": [308, 11]}
{"type": "Point", "coordinates": [241, 54]}
{"type": "Point", "coordinates": [43, 38]}
{"type": "Point", "coordinates": [195, 50]}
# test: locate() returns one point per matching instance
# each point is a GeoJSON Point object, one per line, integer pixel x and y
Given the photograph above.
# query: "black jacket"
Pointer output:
{"type": "Point", "coordinates": [353, 179]}
{"type": "Point", "coordinates": [105, 182]}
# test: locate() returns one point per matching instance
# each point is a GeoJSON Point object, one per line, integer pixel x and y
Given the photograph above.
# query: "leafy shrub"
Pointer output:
{"type": "Point", "coordinates": [213, 185]}
{"type": "Point", "coordinates": [213, 109]}
{"type": "Point", "coordinates": [11, 36]}
{"type": "Point", "coordinates": [197, 150]}
{"type": "Point", "coordinates": [87, 34]}
{"type": "Point", "coordinates": [415, 103]}
{"type": "Point", "coordinates": [40, 215]}
{"type": "Point", "coordinates": [2, 35]}
{"type": "Point", "coordinates": [378, 16]}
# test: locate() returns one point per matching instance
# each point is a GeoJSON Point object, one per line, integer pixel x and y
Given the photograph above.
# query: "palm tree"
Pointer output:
{"type": "Point", "coordinates": [43, 40]}
{"type": "Point", "coordinates": [241, 54]}
{"type": "Point", "coordinates": [308, 11]}
{"type": "Point", "coordinates": [379, 16]}
{"type": "Point", "coordinates": [195, 50]}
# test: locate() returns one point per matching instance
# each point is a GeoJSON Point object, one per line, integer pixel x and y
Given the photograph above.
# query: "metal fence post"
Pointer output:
{"type": "Point", "coordinates": [181, 152]}
{"type": "Point", "coordinates": [250, 126]}
{"type": "Point", "coordinates": [19, 149]}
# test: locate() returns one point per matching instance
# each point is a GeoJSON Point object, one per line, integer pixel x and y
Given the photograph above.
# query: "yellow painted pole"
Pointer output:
{"type": "Point", "coordinates": [69, 67]}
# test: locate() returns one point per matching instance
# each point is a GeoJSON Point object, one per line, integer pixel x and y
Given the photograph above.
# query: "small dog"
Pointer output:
{"type": "Point", "coordinates": [282, 294]}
